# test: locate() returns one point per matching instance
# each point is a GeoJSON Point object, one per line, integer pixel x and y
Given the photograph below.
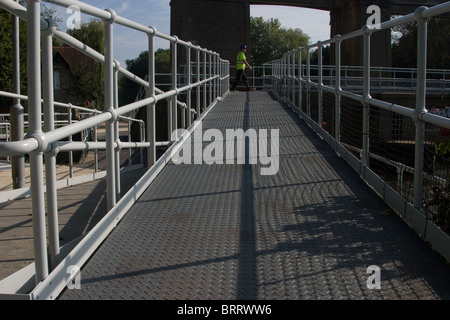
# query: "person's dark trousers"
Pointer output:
{"type": "Point", "coordinates": [240, 76]}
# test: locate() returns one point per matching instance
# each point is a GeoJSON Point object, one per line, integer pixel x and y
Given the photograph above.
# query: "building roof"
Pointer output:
{"type": "Point", "coordinates": [75, 58]}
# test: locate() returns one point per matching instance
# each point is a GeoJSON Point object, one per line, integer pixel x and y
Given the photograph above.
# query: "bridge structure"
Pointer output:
{"type": "Point", "coordinates": [304, 190]}
{"type": "Point", "coordinates": [203, 21]}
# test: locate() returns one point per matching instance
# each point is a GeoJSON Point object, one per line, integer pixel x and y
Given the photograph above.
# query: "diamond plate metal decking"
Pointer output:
{"type": "Point", "coordinates": [227, 232]}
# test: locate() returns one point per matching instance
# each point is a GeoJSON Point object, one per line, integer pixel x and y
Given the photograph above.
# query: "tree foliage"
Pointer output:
{"type": "Point", "coordinates": [404, 49]}
{"type": "Point", "coordinates": [6, 52]}
{"type": "Point", "coordinates": [270, 40]}
{"type": "Point", "coordinates": [91, 34]}
{"type": "Point", "coordinates": [139, 66]}
{"type": "Point", "coordinates": [6, 57]}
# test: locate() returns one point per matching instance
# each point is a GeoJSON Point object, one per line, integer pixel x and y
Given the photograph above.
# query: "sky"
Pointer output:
{"type": "Point", "coordinates": [129, 44]}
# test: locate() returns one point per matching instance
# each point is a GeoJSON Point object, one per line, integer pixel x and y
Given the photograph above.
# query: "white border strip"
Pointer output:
{"type": "Point", "coordinates": [55, 283]}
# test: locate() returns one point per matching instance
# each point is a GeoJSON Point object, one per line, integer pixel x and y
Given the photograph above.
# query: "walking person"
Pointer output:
{"type": "Point", "coordinates": [241, 62]}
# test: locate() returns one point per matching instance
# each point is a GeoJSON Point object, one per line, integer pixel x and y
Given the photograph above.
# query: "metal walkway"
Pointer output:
{"type": "Point", "coordinates": [225, 231]}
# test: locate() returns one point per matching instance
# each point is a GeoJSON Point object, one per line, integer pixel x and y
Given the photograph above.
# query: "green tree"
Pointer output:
{"type": "Point", "coordinates": [128, 89]}
{"type": "Point", "coordinates": [6, 53]}
{"type": "Point", "coordinates": [91, 34]}
{"type": "Point", "coordinates": [325, 56]}
{"type": "Point", "coordinates": [270, 40]}
{"type": "Point", "coordinates": [404, 48]}
{"type": "Point", "coordinates": [6, 58]}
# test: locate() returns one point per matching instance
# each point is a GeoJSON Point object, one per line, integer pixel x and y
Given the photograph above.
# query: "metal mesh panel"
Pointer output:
{"type": "Point", "coordinates": [329, 110]}
{"type": "Point", "coordinates": [391, 141]}
{"type": "Point", "coordinates": [437, 178]}
{"type": "Point", "coordinates": [351, 123]}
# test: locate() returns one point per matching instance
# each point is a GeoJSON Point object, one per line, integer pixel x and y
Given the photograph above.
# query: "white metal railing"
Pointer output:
{"type": "Point", "coordinates": [211, 83]}
{"type": "Point", "coordinates": [382, 79]}
{"type": "Point", "coordinates": [63, 119]}
{"type": "Point", "coordinates": [298, 89]}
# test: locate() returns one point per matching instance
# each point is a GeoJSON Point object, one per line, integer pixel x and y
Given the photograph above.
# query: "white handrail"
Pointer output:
{"type": "Point", "coordinates": [284, 81]}
{"type": "Point", "coordinates": [38, 143]}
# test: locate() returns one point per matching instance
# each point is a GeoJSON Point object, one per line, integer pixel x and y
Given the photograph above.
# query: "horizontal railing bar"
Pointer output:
{"type": "Point", "coordinates": [350, 95]}
{"type": "Point", "coordinates": [435, 119]}
{"type": "Point", "coordinates": [107, 15]}
{"type": "Point", "coordinates": [37, 142]}
{"type": "Point", "coordinates": [21, 12]}
{"type": "Point", "coordinates": [436, 10]}
{"type": "Point", "coordinates": [63, 146]}
{"type": "Point", "coordinates": [65, 105]}
{"type": "Point", "coordinates": [392, 107]}
{"type": "Point", "coordinates": [398, 21]}
{"type": "Point", "coordinates": [61, 133]}
{"type": "Point", "coordinates": [15, 148]}
{"type": "Point", "coordinates": [84, 7]}
{"type": "Point", "coordinates": [73, 42]}
{"type": "Point", "coordinates": [398, 165]}
{"type": "Point", "coordinates": [426, 13]}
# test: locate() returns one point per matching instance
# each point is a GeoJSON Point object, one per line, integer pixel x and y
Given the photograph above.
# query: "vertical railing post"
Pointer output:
{"type": "Point", "coordinates": [281, 79]}
{"type": "Point", "coordinates": [366, 97]}
{"type": "Point", "coordinates": [420, 106]}
{"type": "Point", "coordinates": [183, 106]}
{"type": "Point", "coordinates": [214, 57]}
{"type": "Point", "coordinates": [116, 128]}
{"type": "Point", "coordinates": [221, 74]}
{"type": "Point", "coordinates": [199, 87]}
{"type": "Point", "coordinates": [151, 119]}
{"type": "Point", "coordinates": [293, 78]}
{"type": "Point", "coordinates": [284, 72]}
{"type": "Point", "coordinates": [35, 130]}
{"type": "Point", "coordinates": [288, 76]}
{"type": "Point", "coordinates": [215, 73]}
{"type": "Point", "coordinates": [174, 99]}
{"type": "Point", "coordinates": [300, 79]}
{"type": "Point", "coordinates": [142, 139]}
{"type": "Point", "coordinates": [264, 76]}
{"type": "Point", "coordinates": [96, 150]}
{"type": "Point", "coordinates": [346, 77]}
{"type": "Point", "coordinates": [274, 75]}
{"type": "Point", "coordinates": [130, 150]}
{"type": "Point", "coordinates": [210, 83]}
{"type": "Point", "coordinates": [109, 107]}
{"type": "Point", "coordinates": [280, 76]}
{"type": "Point", "coordinates": [308, 81]}
{"type": "Point", "coordinates": [50, 158]}
{"type": "Point", "coordinates": [70, 139]}
{"type": "Point", "coordinates": [218, 73]}
{"type": "Point", "coordinates": [224, 78]}
{"type": "Point", "coordinates": [227, 74]}
{"type": "Point", "coordinates": [337, 98]}
{"type": "Point", "coordinates": [189, 82]}
{"type": "Point", "coordinates": [320, 84]}
{"type": "Point", "coordinates": [204, 77]}
{"type": "Point", "coordinates": [16, 111]}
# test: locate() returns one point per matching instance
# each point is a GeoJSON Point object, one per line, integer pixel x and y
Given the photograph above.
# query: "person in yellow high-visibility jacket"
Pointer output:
{"type": "Point", "coordinates": [241, 62]}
